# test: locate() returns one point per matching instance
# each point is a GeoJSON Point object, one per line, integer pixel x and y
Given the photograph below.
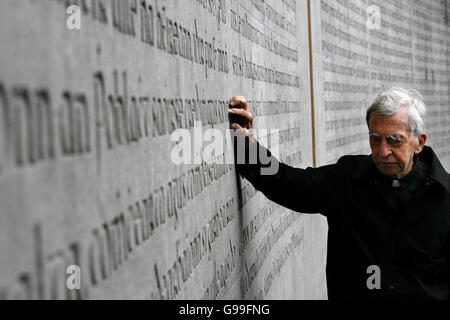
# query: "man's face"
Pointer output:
{"type": "Point", "coordinates": [393, 145]}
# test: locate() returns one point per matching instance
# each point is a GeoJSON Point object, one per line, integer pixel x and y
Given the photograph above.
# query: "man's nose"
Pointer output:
{"type": "Point", "coordinates": [385, 150]}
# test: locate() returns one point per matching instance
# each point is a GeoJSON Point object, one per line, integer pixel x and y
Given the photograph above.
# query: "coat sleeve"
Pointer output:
{"type": "Point", "coordinates": [310, 190]}
{"type": "Point", "coordinates": [448, 269]}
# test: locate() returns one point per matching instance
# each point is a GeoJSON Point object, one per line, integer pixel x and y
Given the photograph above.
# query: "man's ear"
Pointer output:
{"type": "Point", "coordinates": [421, 139]}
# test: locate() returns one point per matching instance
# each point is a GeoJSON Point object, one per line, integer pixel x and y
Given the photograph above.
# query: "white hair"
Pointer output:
{"type": "Point", "coordinates": [388, 102]}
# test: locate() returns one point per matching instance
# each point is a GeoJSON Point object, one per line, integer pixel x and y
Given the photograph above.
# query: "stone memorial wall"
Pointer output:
{"type": "Point", "coordinates": [361, 48]}
{"type": "Point", "coordinates": [109, 188]}
{"type": "Point", "coordinates": [88, 125]}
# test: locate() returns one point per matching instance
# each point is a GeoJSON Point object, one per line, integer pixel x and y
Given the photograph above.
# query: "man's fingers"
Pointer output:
{"type": "Point", "coordinates": [241, 117]}
{"type": "Point", "coordinates": [239, 129]}
{"type": "Point", "coordinates": [235, 126]}
{"type": "Point", "coordinates": [239, 100]}
{"type": "Point", "coordinates": [239, 113]}
{"type": "Point", "coordinates": [247, 115]}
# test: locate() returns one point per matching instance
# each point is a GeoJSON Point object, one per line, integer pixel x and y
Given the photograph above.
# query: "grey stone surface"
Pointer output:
{"type": "Point", "coordinates": [85, 128]}
{"type": "Point", "coordinates": [87, 118]}
{"type": "Point", "coordinates": [355, 58]}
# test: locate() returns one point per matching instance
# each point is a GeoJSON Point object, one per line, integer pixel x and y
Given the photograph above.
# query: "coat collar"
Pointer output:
{"type": "Point", "coordinates": [366, 170]}
{"type": "Point", "coordinates": [436, 170]}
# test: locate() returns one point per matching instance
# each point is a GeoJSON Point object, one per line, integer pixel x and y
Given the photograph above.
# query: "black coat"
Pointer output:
{"type": "Point", "coordinates": [406, 234]}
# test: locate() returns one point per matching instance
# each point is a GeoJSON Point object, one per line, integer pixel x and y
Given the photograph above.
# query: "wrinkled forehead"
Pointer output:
{"type": "Point", "coordinates": [386, 125]}
{"type": "Point", "coordinates": [393, 136]}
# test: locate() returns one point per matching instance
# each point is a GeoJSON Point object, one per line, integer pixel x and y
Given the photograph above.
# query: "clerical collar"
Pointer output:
{"type": "Point", "coordinates": [406, 180]}
{"type": "Point", "coordinates": [396, 183]}
{"type": "Point", "coordinates": [415, 172]}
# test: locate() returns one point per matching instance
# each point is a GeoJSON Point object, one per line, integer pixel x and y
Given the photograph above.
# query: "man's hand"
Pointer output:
{"type": "Point", "coordinates": [241, 118]}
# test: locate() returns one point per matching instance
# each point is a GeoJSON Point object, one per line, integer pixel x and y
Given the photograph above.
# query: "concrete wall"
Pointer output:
{"type": "Point", "coordinates": [364, 47]}
{"type": "Point", "coordinates": [89, 117]}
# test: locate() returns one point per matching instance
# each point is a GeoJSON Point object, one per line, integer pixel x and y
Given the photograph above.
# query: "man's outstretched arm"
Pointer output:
{"type": "Point", "coordinates": [304, 190]}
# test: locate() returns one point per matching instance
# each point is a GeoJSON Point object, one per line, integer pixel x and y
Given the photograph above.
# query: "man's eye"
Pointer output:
{"type": "Point", "coordinates": [375, 139]}
{"type": "Point", "coordinates": [394, 142]}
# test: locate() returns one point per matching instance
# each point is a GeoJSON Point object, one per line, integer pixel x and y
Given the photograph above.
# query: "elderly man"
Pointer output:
{"type": "Point", "coordinates": [388, 213]}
